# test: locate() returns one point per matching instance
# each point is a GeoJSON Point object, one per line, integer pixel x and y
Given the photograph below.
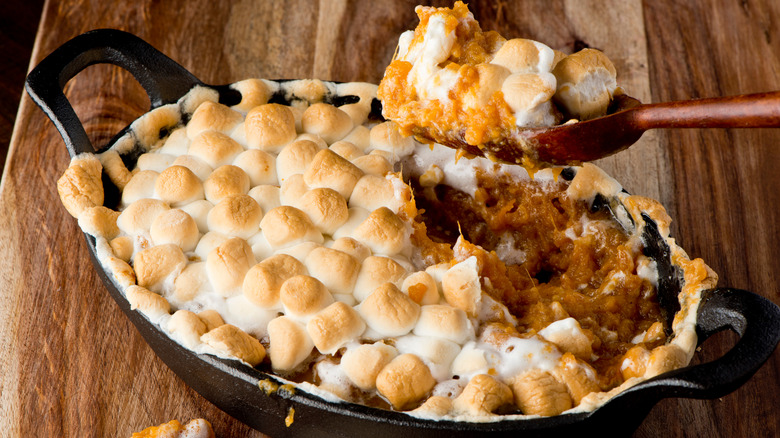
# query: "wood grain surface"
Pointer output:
{"type": "Point", "coordinates": [73, 365]}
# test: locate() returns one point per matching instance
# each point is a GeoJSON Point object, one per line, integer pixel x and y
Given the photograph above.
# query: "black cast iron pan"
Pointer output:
{"type": "Point", "coordinates": [233, 386]}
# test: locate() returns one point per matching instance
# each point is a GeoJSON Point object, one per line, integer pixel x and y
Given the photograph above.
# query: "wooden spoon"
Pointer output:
{"type": "Point", "coordinates": [626, 121]}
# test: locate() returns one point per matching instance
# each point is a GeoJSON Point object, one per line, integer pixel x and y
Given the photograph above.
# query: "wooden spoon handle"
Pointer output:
{"type": "Point", "coordinates": [760, 110]}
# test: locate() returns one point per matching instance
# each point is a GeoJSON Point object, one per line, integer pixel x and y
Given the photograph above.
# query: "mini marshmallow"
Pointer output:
{"type": "Point", "coordinates": [326, 209]}
{"type": "Point", "coordinates": [316, 139]}
{"type": "Point", "coordinates": [491, 77]}
{"type": "Point", "coordinates": [176, 227]}
{"type": "Point", "coordinates": [383, 231]}
{"type": "Point", "coordinates": [303, 296]}
{"type": "Point", "coordinates": [208, 242]}
{"type": "Point", "coordinates": [225, 181]}
{"type": "Point", "coordinates": [154, 161]}
{"type": "Point", "coordinates": [214, 148]}
{"type": "Point", "coordinates": [211, 318]}
{"type": "Point", "coordinates": [285, 226]}
{"type": "Point", "coordinates": [177, 143]}
{"type": "Point", "coordinates": [336, 269]}
{"type": "Point", "coordinates": [101, 222]}
{"type": "Point", "coordinates": [346, 150]}
{"type": "Point", "coordinates": [251, 318]}
{"type": "Point", "coordinates": [295, 157]}
{"type": "Point", "coordinates": [289, 345]}
{"type": "Point", "coordinates": [520, 55]}
{"type": "Point", "coordinates": [267, 196]}
{"type": "Point", "coordinates": [138, 217]}
{"type": "Point", "coordinates": [292, 190]}
{"type": "Point", "coordinates": [153, 266]}
{"type": "Point", "coordinates": [327, 121]}
{"type": "Point", "coordinates": [260, 246]}
{"type": "Point", "coordinates": [115, 169]}
{"type": "Point", "coordinates": [529, 96]}
{"type": "Point", "coordinates": [437, 353]}
{"type": "Point", "coordinates": [259, 166]}
{"type": "Point", "coordinates": [211, 115]}
{"type": "Point", "coordinates": [264, 280]}
{"type": "Point", "coordinates": [461, 287]}
{"type": "Point", "coordinates": [586, 84]}
{"type": "Point", "coordinates": [192, 281]}
{"type": "Point", "coordinates": [360, 137]}
{"type": "Point", "coordinates": [329, 170]}
{"type": "Point", "coordinates": [334, 326]}
{"type": "Point", "coordinates": [374, 272]}
{"type": "Point", "coordinates": [568, 335]}
{"type": "Point", "coordinates": [373, 164]}
{"type": "Point", "coordinates": [470, 361]}
{"type": "Point", "coordinates": [389, 312]}
{"type": "Point", "coordinates": [444, 321]}
{"type": "Point", "coordinates": [405, 381]}
{"type": "Point", "coordinates": [140, 186]}
{"type": "Point", "coordinates": [351, 247]}
{"type": "Point", "coordinates": [230, 340]}
{"type": "Point", "coordinates": [372, 192]}
{"type": "Point", "coordinates": [386, 137]}
{"type": "Point", "coordinates": [300, 251]}
{"type": "Point", "coordinates": [357, 216]}
{"type": "Point", "coordinates": [196, 165]}
{"type": "Point", "coordinates": [362, 364]}
{"type": "Point", "coordinates": [578, 376]}
{"type": "Point", "coordinates": [187, 328]}
{"type": "Point", "coordinates": [199, 211]}
{"type": "Point", "coordinates": [178, 186]}
{"type": "Point", "coordinates": [421, 288]}
{"type": "Point", "coordinates": [254, 92]}
{"type": "Point", "coordinates": [269, 127]}
{"type": "Point", "coordinates": [149, 303]}
{"type": "Point", "coordinates": [482, 396]}
{"type": "Point", "coordinates": [537, 392]}
{"type": "Point", "coordinates": [237, 215]}
{"type": "Point", "coordinates": [227, 265]}
{"type": "Point", "coordinates": [122, 247]}
{"type": "Point", "coordinates": [81, 185]}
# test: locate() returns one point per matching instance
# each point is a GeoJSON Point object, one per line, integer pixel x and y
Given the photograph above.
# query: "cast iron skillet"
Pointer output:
{"type": "Point", "coordinates": [233, 386]}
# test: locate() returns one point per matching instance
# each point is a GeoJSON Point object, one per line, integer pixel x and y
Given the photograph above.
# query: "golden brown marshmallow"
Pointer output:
{"type": "Point", "coordinates": [390, 312]}
{"type": "Point", "coordinates": [259, 166]}
{"type": "Point", "coordinates": [520, 55]}
{"type": "Point", "coordinates": [196, 165]}
{"type": "Point", "coordinates": [81, 187]}
{"type": "Point", "coordinates": [285, 226]}
{"type": "Point", "coordinates": [178, 186]}
{"type": "Point", "coordinates": [187, 327]}
{"type": "Point", "coordinates": [154, 265]}
{"type": "Point", "coordinates": [351, 247]}
{"type": "Point", "coordinates": [208, 242]}
{"type": "Point", "coordinates": [327, 121]}
{"type": "Point", "coordinates": [326, 209]}
{"type": "Point", "coordinates": [176, 144]}
{"type": "Point", "coordinates": [578, 376]}
{"type": "Point", "coordinates": [232, 341]}
{"type": "Point", "coordinates": [568, 336]}
{"type": "Point", "coordinates": [149, 303]}
{"type": "Point", "coordinates": [360, 137]}
{"type": "Point", "coordinates": [421, 288]}
{"type": "Point", "coordinates": [100, 222]}
{"type": "Point", "coordinates": [154, 161]}
{"type": "Point", "coordinates": [386, 137]}
{"type": "Point", "coordinates": [264, 280]}
{"type": "Point", "coordinates": [140, 186]}
{"type": "Point", "coordinates": [139, 216]}
{"type": "Point", "coordinates": [374, 272]}
{"type": "Point", "coordinates": [304, 296]}
{"type": "Point", "coordinates": [444, 321]}
{"type": "Point", "coordinates": [461, 287]}
{"type": "Point", "coordinates": [295, 157]}
{"type": "Point", "coordinates": [192, 281]}
{"type": "Point", "coordinates": [289, 345]}
{"type": "Point", "coordinates": [212, 115]}
{"type": "Point", "coordinates": [214, 148]}
{"type": "Point", "coordinates": [227, 265]}
{"type": "Point", "coordinates": [330, 170]}
{"type": "Point", "coordinates": [176, 227]}
{"type": "Point", "coordinates": [346, 149]}
{"type": "Point", "coordinates": [211, 318]}
{"type": "Point", "coordinates": [372, 192]}
{"type": "Point", "coordinates": [383, 231]}
{"type": "Point", "coordinates": [122, 247]}
{"type": "Point", "coordinates": [337, 270]}
{"type": "Point", "coordinates": [254, 92]}
{"type": "Point", "coordinates": [586, 83]}
{"type": "Point", "coordinates": [236, 215]}
{"type": "Point", "coordinates": [528, 95]}
{"type": "Point", "coordinates": [405, 381]}
{"type": "Point", "coordinates": [292, 190]}
{"type": "Point", "coordinates": [199, 211]}
{"type": "Point", "coordinates": [115, 169]}
{"type": "Point", "coordinates": [225, 181]}
{"type": "Point", "coordinates": [538, 393]}
{"type": "Point", "coordinates": [147, 128]}
{"type": "Point", "coordinates": [482, 396]}
{"type": "Point", "coordinates": [267, 196]}
{"type": "Point", "coordinates": [362, 364]}
{"type": "Point", "coordinates": [334, 326]}
{"type": "Point", "coordinates": [373, 164]}
{"type": "Point", "coordinates": [269, 127]}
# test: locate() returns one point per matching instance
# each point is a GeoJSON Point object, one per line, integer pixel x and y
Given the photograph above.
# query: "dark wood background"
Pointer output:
{"type": "Point", "coordinates": [72, 364]}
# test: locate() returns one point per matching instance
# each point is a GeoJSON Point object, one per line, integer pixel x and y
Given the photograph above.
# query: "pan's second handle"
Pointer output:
{"type": "Point", "coordinates": [164, 80]}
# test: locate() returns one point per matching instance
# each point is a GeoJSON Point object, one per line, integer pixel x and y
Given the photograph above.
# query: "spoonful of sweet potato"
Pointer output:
{"type": "Point", "coordinates": [521, 102]}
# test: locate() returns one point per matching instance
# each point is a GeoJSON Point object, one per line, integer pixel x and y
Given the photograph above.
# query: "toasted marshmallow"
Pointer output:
{"type": "Point", "coordinates": [346, 150]}
{"type": "Point", "coordinates": [199, 211]}
{"type": "Point", "coordinates": [529, 96]}
{"type": "Point", "coordinates": [208, 242]}
{"type": "Point", "coordinates": [227, 265]}
{"type": "Point", "coordinates": [300, 251]}
{"type": "Point", "coordinates": [326, 209]}
{"type": "Point", "coordinates": [254, 92]}
{"type": "Point", "coordinates": [316, 139]}
{"type": "Point", "coordinates": [81, 186]}
{"type": "Point", "coordinates": [211, 318]}
{"type": "Point", "coordinates": [237, 215]}
{"type": "Point", "coordinates": [295, 157]}
{"type": "Point", "coordinates": [351, 247]}
{"type": "Point", "coordinates": [115, 169]}
{"type": "Point", "coordinates": [101, 221]}
{"type": "Point", "coordinates": [578, 376]}
{"type": "Point", "coordinates": [327, 121]}
{"type": "Point", "coordinates": [519, 55]}
{"type": "Point", "coordinates": [264, 280]}
{"type": "Point", "coordinates": [568, 335]}
{"type": "Point", "coordinates": [383, 231]}
{"type": "Point", "coordinates": [665, 358]}
{"type": "Point", "coordinates": [155, 265]}
{"type": "Point", "coordinates": [187, 328]}
{"type": "Point", "coordinates": [225, 181]}
{"type": "Point", "coordinates": [590, 181]}
{"type": "Point", "coordinates": [138, 217]}
{"type": "Point", "coordinates": [303, 296]}
{"type": "Point", "coordinates": [292, 190]}
{"type": "Point", "coordinates": [267, 196]}
{"type": "Point", "coordinates": [470, 361]}
{"type": "Point", "coordinates": [362, 364]}
{"type": "Point", "coordinates": [537, 392]}
{"type": "Point", "coordinates": [336, 269]}
{"type": "Point", "coordinates": [192, 281]}
{"type": "Point", "coordinates": [178, 186]}
{"type": "Point", "coordinates": [290, 345]}
{"type": "Point", "coordinates": [140, 186]}
{"type": "Point", "coordinates": [334, 326]}
{"type": "Point", "coordinates": [269, 127]}
{"type": "Point", "coordinates": [437, 353]}
{"type": "Point", "coordinates": [329, 170]}
{"type": "Point", "coordinates": [405, 381]}
{"type": "Point", "coordinates": [482, 396]}
{"type": "Point", "coordinates": [176, 227]}
{"type": "Point", "coordinates": [386, 137]}
{"type": "Point", "coordinates": [154, 161]}
{"type": "Point", "coordinates": [374, 272]}
{"type": "Point", "coordinates": [436, 406]}
{"type": "Point", "coordinates": [232, 341]}
{"type": "Point", "coordinates": [285, 226]}
{"type": "Point", "coordinates": [444, 321]}
{"type": "Point", "coordinates": [372, 192]}
{"type": "Point", "coordinates": [149, 303]}
{"type": "Point", "coordinates": [212, 115]}
{"type": "Point", "coordinates": [461, 287]}
{"type": "Point", "coordinates": [259, 166]}
{"type": "Point", "coordinates": [389, 312]}
{"type": "Point", "coordinates": [373, 164]}
{"type": "Point", "coordinates": [214, 148]}
{"type": "Point", "coordinates": [421, 288]}
{"type": "Point", "coordinates": [122, 247]}
{"type": "Point", "coordinates": [357, 216]}
{"type": "Point", "coordinates": [360, 137]}
{"type": "Point", "coordinates": [586, 83]}
{"type": "Point", "coordinates": [491, 77]}
{"type": "Point", "coordinates": [196, 165]}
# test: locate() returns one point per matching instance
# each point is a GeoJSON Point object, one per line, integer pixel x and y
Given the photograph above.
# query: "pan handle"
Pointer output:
{"type": "Point", "coordinates": [164, 80]}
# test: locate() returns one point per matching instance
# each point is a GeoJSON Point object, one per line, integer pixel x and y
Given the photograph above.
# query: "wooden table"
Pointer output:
{"type": "Point", "coordinates": [72, 364]}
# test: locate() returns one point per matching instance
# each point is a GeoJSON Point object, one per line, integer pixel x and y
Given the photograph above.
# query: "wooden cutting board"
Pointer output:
{"type": "Point", "coordinates": [73, 365]}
